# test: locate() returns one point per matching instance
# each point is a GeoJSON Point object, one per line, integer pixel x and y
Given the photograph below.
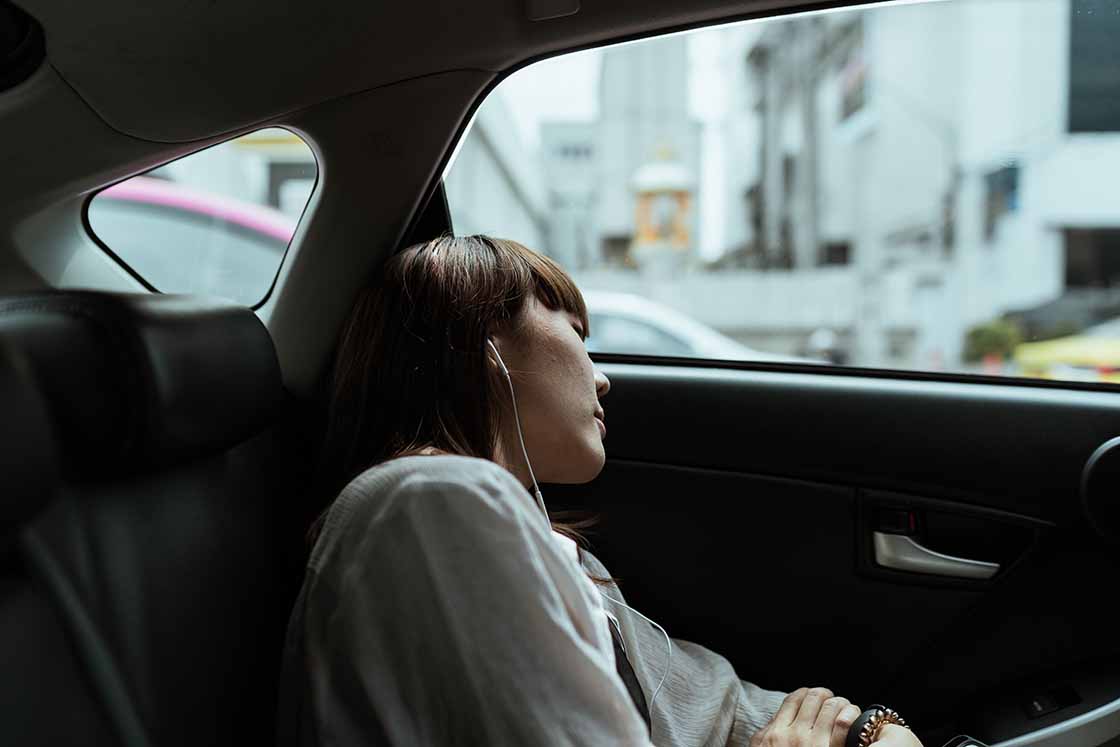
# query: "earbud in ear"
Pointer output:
{"type": "Point", "coordinates": [501, 363]}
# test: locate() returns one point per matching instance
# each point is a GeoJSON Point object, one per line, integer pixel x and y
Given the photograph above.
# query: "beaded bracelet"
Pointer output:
{"type": "Point", "coordinates": [865, 730]}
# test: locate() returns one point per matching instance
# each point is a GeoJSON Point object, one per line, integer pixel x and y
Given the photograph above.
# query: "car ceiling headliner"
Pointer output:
{"type": "Point", "coordinates": [178, 71]}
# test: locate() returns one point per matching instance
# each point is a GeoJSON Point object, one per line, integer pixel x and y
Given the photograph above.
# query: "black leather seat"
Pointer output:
{"type": "Point", "coordinates": [35, 654]}
{"type": "Point", "coordinates": [165, 528]}
{"type": "Point", "coordinates": [28, 466]}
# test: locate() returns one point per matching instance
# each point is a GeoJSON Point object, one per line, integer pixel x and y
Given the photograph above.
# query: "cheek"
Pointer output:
{"type": "Point", "coordinates": [568, 445]}
{"type": "Point", "coordinates": [574, 382]}
{"type": "Point", "coordinates": [556, 391]}
{"type": "Point", "coordinates": [575, 405]}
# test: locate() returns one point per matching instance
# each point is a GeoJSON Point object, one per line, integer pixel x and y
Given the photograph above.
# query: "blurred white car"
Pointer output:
{"type": "Point", "coordinates": [629, 324]}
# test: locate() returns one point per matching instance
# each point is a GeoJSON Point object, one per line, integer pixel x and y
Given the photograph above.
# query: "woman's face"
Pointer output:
{"type": "Point", "coordinates": [558, 391]}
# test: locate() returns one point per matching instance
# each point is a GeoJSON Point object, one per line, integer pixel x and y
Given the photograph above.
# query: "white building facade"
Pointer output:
{"type": "Point", "coordinates": [894, 175]}
{"type": "Point", "coordinates": [927, 148]}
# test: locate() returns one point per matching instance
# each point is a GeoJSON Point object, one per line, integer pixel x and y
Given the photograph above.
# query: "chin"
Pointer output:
{"type": "Point", "coordinates": [593, 459]}
{"type": "Point", "coordinates": [582, 464]}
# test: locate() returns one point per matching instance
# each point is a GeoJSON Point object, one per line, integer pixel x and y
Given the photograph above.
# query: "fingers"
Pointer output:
{"type": "Point", "coordinates": [790, 706]}
{"type": "Point", "coordinates": [810, 708]}
{"type": "Point", "coordinates": [846, 715]}
{"type": "Point", "coordinates": [780, 723]}
{"type": "Point", "coordinates": [809, 717]}
{"type": "Point", "coordinates": [784, 716]}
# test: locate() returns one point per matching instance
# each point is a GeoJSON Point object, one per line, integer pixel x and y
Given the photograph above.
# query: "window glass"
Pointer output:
{"type": "Point", "coordinates": [216, 222]}
{"type": "Point", "coordinates": [919, 186]}
{"type": "Point", "coordinates": [620, 334]}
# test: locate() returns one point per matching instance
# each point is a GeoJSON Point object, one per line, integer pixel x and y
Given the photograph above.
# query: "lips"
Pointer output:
{"type": "Point", "coordinates": [602, 426]}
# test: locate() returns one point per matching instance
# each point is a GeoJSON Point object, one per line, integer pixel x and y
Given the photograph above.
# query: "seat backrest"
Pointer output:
{"type": "Point", "coordinates": [27, 454]}
{"type": "Point", "coordinates": [35, 654]}
{"type": "Point", "coordinates": [164, 530]}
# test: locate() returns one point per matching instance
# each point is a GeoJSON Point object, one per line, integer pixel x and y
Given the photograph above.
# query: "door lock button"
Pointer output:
{"type": "Point", "coordinates": [896, 521]}
{"type": "Point", "coordinates": [1040, 704]}
{"type": "Point", "coordinates": [1047, 701]}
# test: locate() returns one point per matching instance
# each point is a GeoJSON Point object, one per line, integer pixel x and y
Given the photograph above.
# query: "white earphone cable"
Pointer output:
{"type": "Point", "coordinates": [668, 645]}
{"type": "Point", "coordinates": [540, 503]}
{"type": "Point", "coordinates": [521, 438]}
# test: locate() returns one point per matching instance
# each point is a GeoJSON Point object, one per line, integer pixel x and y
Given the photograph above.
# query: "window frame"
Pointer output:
{"type": "Point", "coordinates": [87, 227]}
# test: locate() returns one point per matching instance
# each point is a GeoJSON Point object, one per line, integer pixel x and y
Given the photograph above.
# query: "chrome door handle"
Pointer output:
{"type": "Point", "coordinates": [904, 554]}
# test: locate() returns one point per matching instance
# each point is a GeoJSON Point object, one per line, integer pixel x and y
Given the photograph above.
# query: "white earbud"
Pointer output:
{"type": "Point", "coordinates": [501, 363]}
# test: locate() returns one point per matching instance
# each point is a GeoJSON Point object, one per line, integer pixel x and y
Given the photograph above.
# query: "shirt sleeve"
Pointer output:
{"type": "Point", "coordinates": [446, 621]}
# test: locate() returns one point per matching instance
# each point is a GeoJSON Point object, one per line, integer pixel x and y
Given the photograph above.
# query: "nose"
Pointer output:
{"type": "Point", "coordinates": [602, 384]}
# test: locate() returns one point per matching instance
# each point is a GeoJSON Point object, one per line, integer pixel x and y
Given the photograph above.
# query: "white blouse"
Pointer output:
{"type": "Point", "coordinates": [440, 608]}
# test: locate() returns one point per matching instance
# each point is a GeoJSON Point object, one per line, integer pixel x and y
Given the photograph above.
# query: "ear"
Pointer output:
{"type": "Point", "coordinates": [495, 356]}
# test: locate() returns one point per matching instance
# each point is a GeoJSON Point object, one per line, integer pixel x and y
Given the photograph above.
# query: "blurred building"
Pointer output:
{"type": "Point", "coordinates": [663, 235]}
{"type": "Point", "coordinates": [956, 156]}
{"type": "Point", "coordinates": [591, 169]}
{"type": "Point", "coordinates": [568, 153]}
{"type": "Point", "coordinates": [497, 186]}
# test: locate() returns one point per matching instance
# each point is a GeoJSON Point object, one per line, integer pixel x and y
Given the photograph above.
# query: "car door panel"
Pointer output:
{"type": "Point", "coordinates": [1017, 448]}
{"type": "Point", "coordinates": [746, 563]}
{"type": "Point", "coordinates": [738, 507]}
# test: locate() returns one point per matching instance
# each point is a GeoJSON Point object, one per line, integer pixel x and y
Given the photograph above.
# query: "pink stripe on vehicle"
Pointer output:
{"type": "Point", "coordinates": [151, 191]}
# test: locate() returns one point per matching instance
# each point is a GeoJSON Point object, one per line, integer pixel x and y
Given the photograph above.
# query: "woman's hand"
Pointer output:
{"type": "Point", "coordinates": [893, 735]}
{"type": "Point", "coordinates": [811, 718]}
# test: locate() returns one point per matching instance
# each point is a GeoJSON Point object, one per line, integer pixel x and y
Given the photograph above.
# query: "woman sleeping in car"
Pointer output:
{"type": "Point", "coordinates": [441, 605]}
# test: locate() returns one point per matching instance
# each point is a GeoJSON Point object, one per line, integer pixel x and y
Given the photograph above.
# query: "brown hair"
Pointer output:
{"type": "Point", "coordinates": [411, 371]}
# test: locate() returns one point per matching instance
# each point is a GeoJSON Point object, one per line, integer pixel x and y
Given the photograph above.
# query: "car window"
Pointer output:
{"type": "Point", "coordinates": [918, 186]}
{"type": "Point", "coordinates": [217, 222]}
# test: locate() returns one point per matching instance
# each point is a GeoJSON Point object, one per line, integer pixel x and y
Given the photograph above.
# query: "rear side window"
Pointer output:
{"type": "Point", "coordinates": [216, 223]}
{"type": "Point", "coordinates": [910, 186]}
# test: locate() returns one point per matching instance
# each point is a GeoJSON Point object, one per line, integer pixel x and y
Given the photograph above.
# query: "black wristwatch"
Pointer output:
{"type": "Point", "coordinates": [865, 729]}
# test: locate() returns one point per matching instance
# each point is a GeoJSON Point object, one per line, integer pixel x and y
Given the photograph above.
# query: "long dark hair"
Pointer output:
{"type": "Point", "coordinates": [411, 374]}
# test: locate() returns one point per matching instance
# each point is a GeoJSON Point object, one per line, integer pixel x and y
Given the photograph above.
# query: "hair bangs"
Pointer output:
{"type": "Point", "coordinates": [551, 284]}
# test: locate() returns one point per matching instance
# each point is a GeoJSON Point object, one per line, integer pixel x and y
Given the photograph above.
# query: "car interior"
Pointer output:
{"type": "Point", "coordinates": [940, 542]}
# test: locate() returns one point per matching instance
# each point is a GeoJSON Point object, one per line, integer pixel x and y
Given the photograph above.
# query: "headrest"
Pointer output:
{"type": "Point", "coordinates": [28, 470]}
{"type": "Point", "coordinates": [134, 379]}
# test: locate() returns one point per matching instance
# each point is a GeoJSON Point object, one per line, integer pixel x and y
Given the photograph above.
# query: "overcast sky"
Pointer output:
{"type": "Point", "coordinates": [564, 87]}
{"type": "Point", "coordinates": [567, 87]}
